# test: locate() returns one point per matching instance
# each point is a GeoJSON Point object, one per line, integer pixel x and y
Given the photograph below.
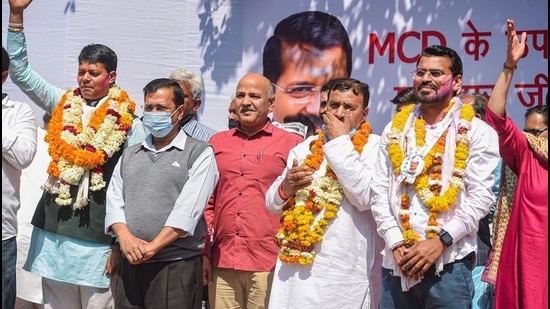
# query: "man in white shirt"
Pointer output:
{"type": "Point", "coordinates": [18, 150]}
{"type": "Point", "coordinates": [429, 219]}
{"type": "Point", "coordinates": [328, 235]}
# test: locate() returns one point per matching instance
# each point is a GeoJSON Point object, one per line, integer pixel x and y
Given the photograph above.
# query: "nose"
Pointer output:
{"type": "Point", "coordinates": [313, 106]}
{"type": "Point", "coordinates": [427, 77]}
{"type": "Point", "coordinates": [340, 112]}
{"type": "Point", "coordinates": [86, 77]}
{"type": "Point", "coordinates": [246, 100]}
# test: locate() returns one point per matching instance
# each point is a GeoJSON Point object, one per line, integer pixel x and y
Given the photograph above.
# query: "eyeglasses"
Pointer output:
{"type": "Point", "coordinates": [434, 73]}
{"type": "Point", "coordinates": [535, 132]}
{"type": "Point", "coordinates": [298, 91]}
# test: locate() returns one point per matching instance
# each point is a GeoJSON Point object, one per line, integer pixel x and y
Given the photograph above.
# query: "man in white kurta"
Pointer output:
{"type": "Point", "coordinates": [29, 285]}
{"type": "Point", "coordinates": [346, 269]}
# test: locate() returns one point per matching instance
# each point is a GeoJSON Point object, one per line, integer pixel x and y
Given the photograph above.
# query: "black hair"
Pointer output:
{"type": "Point", "coordinates": [159, 83]}
{"type": "Point", "coordinates": [539, 109]}
{"type": "Point", "coordinates": [316, 28]}
{"type": "Point", "coordinates": [407, 95]}
{"type": "Point", "coordinates": [98, 53]}
{"type": "Point", "coordinates": [357, 86]}
{"type": "Point", "coordinates": [443, 51]}
{"type": "Point", "coordinates": [479, 103]}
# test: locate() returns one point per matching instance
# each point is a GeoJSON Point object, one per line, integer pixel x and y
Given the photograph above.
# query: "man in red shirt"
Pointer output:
{"type": "Point", "coordinates": [249, 159]}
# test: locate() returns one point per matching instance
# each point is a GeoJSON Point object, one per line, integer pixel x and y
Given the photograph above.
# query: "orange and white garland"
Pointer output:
{"type": "Point", "coordinates": [299, 230]}
{"type": "Point", "coordinates": [76, 149]}
{"type": "Point", "coordinates": [428, 184]}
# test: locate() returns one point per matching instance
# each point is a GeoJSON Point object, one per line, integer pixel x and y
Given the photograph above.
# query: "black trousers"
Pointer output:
{"type": "Point", "coordinates": [162, 285]}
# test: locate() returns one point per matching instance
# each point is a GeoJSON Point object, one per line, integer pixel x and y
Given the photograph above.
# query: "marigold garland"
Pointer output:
{"type": "Point", "coordinates": [299, 231]}
{"type": "Point", "coordinates": [428, 183]}
{"type": "Point", "coordinates": [74, 149]}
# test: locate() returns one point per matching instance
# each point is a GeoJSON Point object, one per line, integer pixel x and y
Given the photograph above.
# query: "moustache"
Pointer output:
{"type": "Point", "coordinates": [427, 85]}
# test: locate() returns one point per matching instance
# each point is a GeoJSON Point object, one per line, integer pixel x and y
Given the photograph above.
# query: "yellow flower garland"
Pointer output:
{"type": "Point", "coordinates": [75, 149]}
{"type": "Point", "coordinates": [428, 183]}
{"type": "Point", "coordinates": [299, 232]}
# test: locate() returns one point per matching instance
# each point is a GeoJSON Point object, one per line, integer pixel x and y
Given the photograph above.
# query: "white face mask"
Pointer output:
{"type": "Point", "coordinates": [159, 124]}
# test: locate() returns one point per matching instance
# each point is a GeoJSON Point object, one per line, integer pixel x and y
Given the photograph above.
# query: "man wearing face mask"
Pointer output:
{"type": "Point", "coordinates": [163, 242]}
{"type": "Point", "coordinates": [191, 84]}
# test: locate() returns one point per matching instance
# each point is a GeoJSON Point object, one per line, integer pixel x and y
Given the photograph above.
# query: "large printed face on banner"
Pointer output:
{"type": "Point", "coordinates": [305, 51]}
{"type": "Point", "coordinates": [305, 70]}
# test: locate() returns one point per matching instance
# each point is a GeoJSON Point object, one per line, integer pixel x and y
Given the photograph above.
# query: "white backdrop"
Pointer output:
{"type": "Point", "coordinates": [224, 39]}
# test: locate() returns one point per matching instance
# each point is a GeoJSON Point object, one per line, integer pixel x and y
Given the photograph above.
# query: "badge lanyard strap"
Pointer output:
{"type": "Point", "coordinates": [442, 127]}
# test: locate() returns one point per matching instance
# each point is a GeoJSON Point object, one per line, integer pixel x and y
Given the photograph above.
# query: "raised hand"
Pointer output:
{"type": "Point", "coordinates": [19, 5]}
{"type": "Point", "coordinates": [335, 127]}
{"type": "Point", "coordinates": [516, 46]}
{"type": "Point", "coordinates": [16, 10]}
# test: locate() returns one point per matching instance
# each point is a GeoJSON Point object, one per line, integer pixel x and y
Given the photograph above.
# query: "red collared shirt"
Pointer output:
{"type": "Point", "coordinates": [243, 227]}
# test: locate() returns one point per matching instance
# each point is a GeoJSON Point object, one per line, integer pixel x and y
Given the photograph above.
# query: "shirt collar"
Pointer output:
{"type": "Point", "coordinates": [5, 101]}
{"type": "Point", "coordinates": [178, 142]}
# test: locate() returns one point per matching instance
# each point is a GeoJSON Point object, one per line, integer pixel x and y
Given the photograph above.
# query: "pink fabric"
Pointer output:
{"type": "Point", "coordinates": [522, 280]}
{"type": "Point", "coordinates": [243, 227]}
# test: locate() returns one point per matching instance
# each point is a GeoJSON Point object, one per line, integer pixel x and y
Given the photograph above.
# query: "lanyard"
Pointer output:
{"type": "Point", "coordinates": [413, 164]}
{"type": "Point", "coordinates": [441, 128]}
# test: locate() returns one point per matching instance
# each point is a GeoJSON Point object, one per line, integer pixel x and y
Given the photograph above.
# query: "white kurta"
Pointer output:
{"type": "Point", "coordinates": [29, 285]}
{"type": "Point", "coordinates": [347, 266]}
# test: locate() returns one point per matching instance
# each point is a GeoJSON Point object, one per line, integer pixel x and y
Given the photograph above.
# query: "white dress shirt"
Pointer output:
{"type": "Point", "coordinates": [348, 260]}
{"type": "Point", "coordinates": [461, 221]}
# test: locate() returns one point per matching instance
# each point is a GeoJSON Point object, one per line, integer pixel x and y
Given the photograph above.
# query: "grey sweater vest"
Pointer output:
{"type": "Point", "coordinates": [151, 185]}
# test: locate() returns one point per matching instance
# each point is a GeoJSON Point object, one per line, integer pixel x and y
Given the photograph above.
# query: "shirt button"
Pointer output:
{"type": "Point", "coordinates": [238, 214]}
{"type": "Point", "coordinates": [237, 233]}
{"type": "Point", "coordinates": [240, 193]}
{"type": "Point", "coordinates": [242, 174]}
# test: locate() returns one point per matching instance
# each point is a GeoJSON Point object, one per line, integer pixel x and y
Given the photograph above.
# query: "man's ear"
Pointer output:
{"type": "Point", "coordinates": [271, 104]}
{"type": "Point", "coordinates": [196, 104]}
{"type": "Point", "coordinates": [112, 77]}
{"type": "Point", "coordinates": [4, 76]}
{"type": "Point", "coordinates": [457, 83]}
{"type": "Point", "coordinates": [365, 112]}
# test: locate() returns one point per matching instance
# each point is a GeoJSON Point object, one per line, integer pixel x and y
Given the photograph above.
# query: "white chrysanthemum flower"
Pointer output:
{"type": "Point", "coordinates": [457, 181]}
{"type": "Point", "coordinates": [463, 123]}
{"type": "Point", "coordinates": [97, 182]}
{"type": "Point", "coordinates": [404, 212]}
{"type": "Point", "coordinates": [431, 228]}
{"type": "Point", "coordinates": [463, 138]}
{"type": "Point", "coordinates": [394, 135]}
{"type": "Point", "coordinates": [64, 195]}
{"type": "Point", "coordinates": [425, 194]}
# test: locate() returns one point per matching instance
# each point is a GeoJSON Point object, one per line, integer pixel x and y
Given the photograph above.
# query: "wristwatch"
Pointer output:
{"type": "Point", "coordinates": [445, 238]}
